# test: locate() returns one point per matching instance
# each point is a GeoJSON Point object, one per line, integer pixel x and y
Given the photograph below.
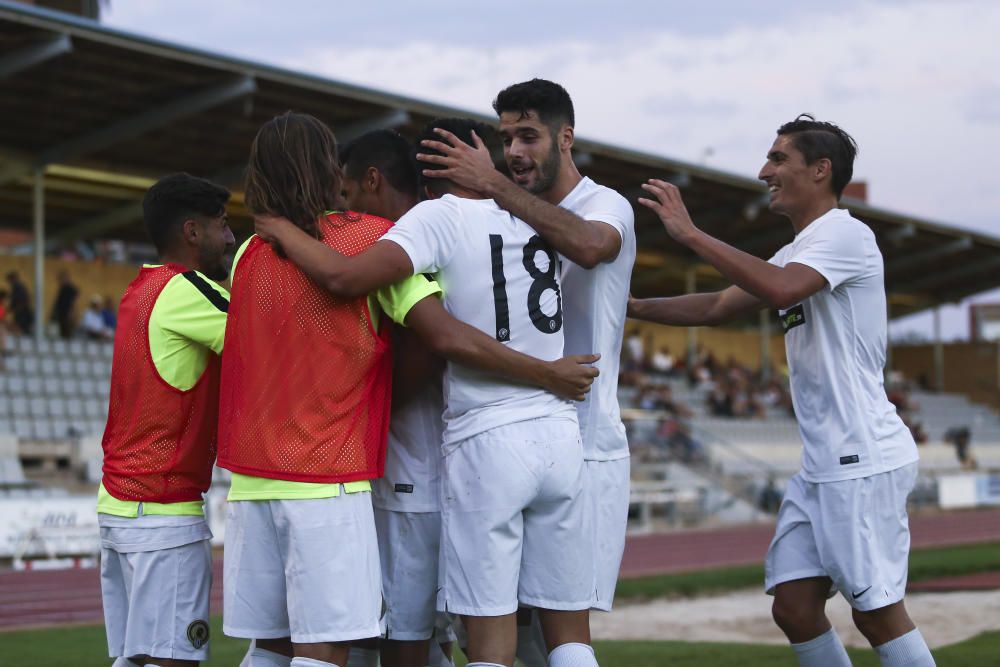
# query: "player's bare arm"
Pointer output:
{"type": "Point", "coordinates": [384, 263]}
{"type": "Point", "coordinates": [585, 242]}
{"type": "Point", "coordinates": [777, 287]}
{"type": "Point", "coordinates": [695, 310]}
{"type": "Point", "coordinates": [568, 377]}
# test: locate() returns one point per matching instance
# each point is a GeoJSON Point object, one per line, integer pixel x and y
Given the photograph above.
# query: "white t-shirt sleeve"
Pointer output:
{"type": "Point", "coordinates": [837, 252]}
{"type": "Point", "coordinates": [428, 234]}
{"type": "Point", "coordinates": [611, 208]}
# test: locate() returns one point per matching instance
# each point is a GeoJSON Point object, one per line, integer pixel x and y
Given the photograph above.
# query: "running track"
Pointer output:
{"type": "Point", "coordinates": [74, 596]}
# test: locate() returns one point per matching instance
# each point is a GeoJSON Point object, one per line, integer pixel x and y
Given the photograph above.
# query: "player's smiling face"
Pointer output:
{"type": "Point", "coordinates": [789, 181]}
{"type": "Point", "coordinates": [531, 152]}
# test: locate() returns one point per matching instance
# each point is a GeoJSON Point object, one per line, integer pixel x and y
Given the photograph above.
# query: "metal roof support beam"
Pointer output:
{"type": "Point", "coordinates": [35, 54]}
{"type": "Point", "coordinates": [901, 233]}
{"type": "Point", "coordinates": [765, 241]}
{"type": "Point", "coordinates": [113, 219]}
{"type": "Point", "coordinates": [946, 277]}
{"type": "Point", "coordinates": [141, 124]}
{"type": "Point", "coordinates": [952, 247]}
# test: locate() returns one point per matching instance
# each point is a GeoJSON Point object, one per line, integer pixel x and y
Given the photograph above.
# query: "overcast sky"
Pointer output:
{"type": "Point", "coordinates": [916, 83]}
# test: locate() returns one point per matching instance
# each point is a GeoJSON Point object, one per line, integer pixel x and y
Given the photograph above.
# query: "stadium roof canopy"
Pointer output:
{"type": "Point", "coordinates": [102, 113]}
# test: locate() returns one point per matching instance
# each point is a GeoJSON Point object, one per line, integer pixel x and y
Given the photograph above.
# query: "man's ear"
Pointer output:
{"type": "Point", "coordinates": [822, 168]}
{"type": "Point", "coordinates": [566, 138]}
{"type": "Point", "coordinates": [190, 230]}
{"type": "Point", "coordinates": [373, 179]}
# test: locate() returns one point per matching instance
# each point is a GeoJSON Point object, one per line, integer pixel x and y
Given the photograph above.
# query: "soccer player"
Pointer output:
{"type": "Point", "coordinates": [592, 228]}
{"type": "Point", "coordinates": [380, 178]}
{"type": "Point", "coordinates": [305, 431]}
{"type": "Point", "coordinates": [513, 527]}
{"type": "Point", "coordinates": [842, 524]}
{"type": "Point", "coordinates": [159, 443]}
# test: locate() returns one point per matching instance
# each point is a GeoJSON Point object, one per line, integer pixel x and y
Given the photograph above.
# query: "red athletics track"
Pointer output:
{"type": "Point", "coordinates": [74, 596]}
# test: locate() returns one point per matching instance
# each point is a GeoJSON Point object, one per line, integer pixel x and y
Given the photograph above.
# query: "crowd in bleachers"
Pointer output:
{"type": "Point", "coordinates": [97, 322]}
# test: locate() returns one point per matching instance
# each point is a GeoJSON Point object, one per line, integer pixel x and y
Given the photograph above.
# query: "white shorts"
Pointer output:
{"type": "Point", "coordinates": [855, 531]}
{"type": "Point", "coordinates": [514, 526]}
{"type": "Point", "coordinates": [156, 602]}
{"type": "Point", "coordinates": [606, 491]}
{"type": "Point", "coordinates": [409, 546]}
{"type": "Point", "coordinates": [305, 569]}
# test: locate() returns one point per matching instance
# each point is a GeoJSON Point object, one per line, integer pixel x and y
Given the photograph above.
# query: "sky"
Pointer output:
{"type": "Point", "coordinates": [916, 83]}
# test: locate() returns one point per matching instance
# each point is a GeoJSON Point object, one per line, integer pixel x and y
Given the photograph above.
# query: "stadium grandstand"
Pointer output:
{"type": "Point", "coordinates": [92, 116]}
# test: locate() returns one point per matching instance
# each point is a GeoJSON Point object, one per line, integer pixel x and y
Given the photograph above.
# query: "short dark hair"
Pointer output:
{"type": "Point", "coordinates": [387, 151]}
{"type": "Point", "coordinates": [176, 198]}
{"type": "Point", "coordinates": [461, 128]}
{"type": "Point", "coordinates": [817, 140]}
{"type": "Point", "coordinates": [547, 99]}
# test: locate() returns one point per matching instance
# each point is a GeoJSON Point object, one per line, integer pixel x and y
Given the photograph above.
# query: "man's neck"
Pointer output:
{"type": "Point", "coordinates": [399, 205]}
{"type": "Point", "coordinates": [179, 258]}
{"type": "Point", "coordinates": [569, 177]}
{"type": "Point", "coordinates": [801, 220]}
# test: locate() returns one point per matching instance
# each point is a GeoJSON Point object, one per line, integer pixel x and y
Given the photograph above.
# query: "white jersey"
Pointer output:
{"type": "Point", "coordinates": [594, 304]}
{"type": "Point", "coordinates": [835, 342]}
{"type": "Point", "coordinates": [500, 277]}
{"type": "Point", "coordinates": [413, 456]}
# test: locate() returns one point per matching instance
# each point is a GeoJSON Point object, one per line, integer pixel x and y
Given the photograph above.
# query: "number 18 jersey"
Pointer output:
{"type": "Point", "coordinates": [501, 278]}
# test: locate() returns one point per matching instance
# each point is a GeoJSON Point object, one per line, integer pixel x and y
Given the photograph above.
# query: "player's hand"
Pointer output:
{"type": "Point", "coordinates": [668, 205]}
{"type": "Point", "coordinates": [572, 376]}
{"type": "Point", "coordinates": [471, 167]}
{"type": "Point", "coordinates": [270, 227]}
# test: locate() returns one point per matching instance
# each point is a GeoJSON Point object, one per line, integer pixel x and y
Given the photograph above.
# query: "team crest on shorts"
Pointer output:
{"type": "Point", "coordinates": [198, 633]}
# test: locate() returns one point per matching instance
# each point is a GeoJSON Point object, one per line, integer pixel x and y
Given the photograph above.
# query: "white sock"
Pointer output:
{"type": "Point", "coordinates": [261, 657]}
{"type": "Point", "coordinates": [436, 657]}
{"type": "Point", "coordinates": [531, 644]}
{"type": "Point", "coordinates": [909, 650]}
{"type": "Point", "coordinates": [123, 662]}
{"type": "Point", "coordinates": [362, 657]}
{"type": "Point", "coordinates": [824, 651]}
{"type": "Point", "coordinates": [311, 662]}
{"type": "Point", "coordinates": [572, 655]}
{"type": "Point", "coordinates": [483, 664]}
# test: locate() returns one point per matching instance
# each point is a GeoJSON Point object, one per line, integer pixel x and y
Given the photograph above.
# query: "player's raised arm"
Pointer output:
{"type": "Point", "coordinates": [696, 310]}
{"type": "Point", "coordinates": [384, 263]}
{"type": "Point", "coordinates": [776, 286]}
{"type": "Point", "coordinates": [585, 242]}
{"type": "Point", "coordinates": [569, 377]}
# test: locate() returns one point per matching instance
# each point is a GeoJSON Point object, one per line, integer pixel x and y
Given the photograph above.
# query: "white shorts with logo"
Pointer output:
{"type": "Point", "coordinates": [305, 569]}
{"type": "Point", "coordinates": [514, 525]}
{"type": "Point", "coordinates": [409, 546]}
{"type": "Point", "coordinates": [156, 600]}
{"type": "Point", "coordinates": [854, 531]}
{"type": "Point", "coordinates": [606, 490]}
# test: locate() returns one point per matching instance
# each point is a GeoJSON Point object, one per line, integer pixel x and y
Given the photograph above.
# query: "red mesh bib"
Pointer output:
{"type": "Point", "coordinates": [159, 443]}
{"type": "Point", "coordinates": [306, 380]}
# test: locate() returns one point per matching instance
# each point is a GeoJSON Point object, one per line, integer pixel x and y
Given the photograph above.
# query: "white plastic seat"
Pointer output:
{"type": "Point", "coordinates": [39, 407]}
{"type": "Point", "coordinates": [74, 408]}
{"type": "Point", "coordinates": [65, 366]}
{"type": "Point", "coordinates": [22, 429]}
{"type": "Point", "coordinates": [42, 429]}
{"type": "Point", "coordinates": [60, 347]}
{"type": "Point", "coordinates": [57, 406]}
{"type": "Point", "coordinates": [81, 367]}
{"type": "Point", "coordinates": [77, 348]}
{"type": "Point", "coordinates": [52, 386]}
{"type": "Point", "coordinates": [30, 364]}
{"type": "Point", "coordinates": [48, 366]}
{"type": "Point", "coordinates": [19, 406]}
{"type": "Point", "coordinates": [16, 385]}
{"type": "Point", "coordinates": [33, 385]}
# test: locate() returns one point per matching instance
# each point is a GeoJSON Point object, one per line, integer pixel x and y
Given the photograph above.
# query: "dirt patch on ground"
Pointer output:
{"type": "Point", "coordinates": [745, 616]}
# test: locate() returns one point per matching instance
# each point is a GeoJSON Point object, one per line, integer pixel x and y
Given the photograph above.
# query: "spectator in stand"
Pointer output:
{"type": "Point", "coordinates": [92, 324]}
{"type": "Point", "coordinates": [662, 362]}
{"type": "Point", "coordinates": [20, 304]}
{"type": "Point", "coordinates": [635, 351]}
{"type": "Point", "coordinates": [109, 316]}
{"type": "Point", "coordinates": [62, 309]}
{"type": "Point", "coordinates": [960, 437]}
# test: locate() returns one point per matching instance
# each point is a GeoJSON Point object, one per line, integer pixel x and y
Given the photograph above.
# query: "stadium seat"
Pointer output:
{"type": "Point", "coordinates": [92, 407]}
{"type": "Point", "coordinates": [19, 406]}
{"type": "Point", "coordinates": [74, 408]}
{"type": "Point", "coordinates": [13, 364]}
{"type": "Point", "coordinates": [77, 348]}
{"type": "Point", "coordinates": [33, 385]}
{"type": "Point", "coordinates": [69, 386]}
{"type": "Point", "coordinates": [25, 345]}
{"type": "Point", "coordinates": [61, 429]}
{"type": "Point", "coordinates": [30, 364]}
{"type": "Point", "coordinates": [23, 429]}
{"type": "Point", "coordinates": [16, 385]}
{"type": "Point", "coordinates": [57, 406]}
{"type": "Point", "coordinates": [48, 366]}
{"type": "Point", "coordinates": [39, 407]}
{"type": "Point", "coordinates": [81, 367]}
{"type": "Point", "coordinates": [52, 386]}
{"type": "Point", "coordinates": [41, 429]}
{"type": "Point", "coordinates": [65, 367]}
{"type": "Point", "coordinates": [87, 387]}
{"type": "Point", "coordinates": [100, 369]}
{"type": "Point", "coordinates": [6, 427]}
{"type": "Point", "coordinates": [93, 349]}
{"type": "Point", "coordinates": [60, 347]}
